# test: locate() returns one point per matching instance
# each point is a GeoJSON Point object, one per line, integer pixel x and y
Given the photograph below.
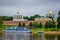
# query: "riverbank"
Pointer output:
{"type": "Point", "coordinates": [36, 30]}
{"type": "Point", "coordinates": [52, 33]}
{"type": "Point", "coordinates": [47, 31]}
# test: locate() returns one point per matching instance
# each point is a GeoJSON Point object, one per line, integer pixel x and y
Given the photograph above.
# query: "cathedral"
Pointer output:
{"type": "Point", "coordinates": [18, 17]}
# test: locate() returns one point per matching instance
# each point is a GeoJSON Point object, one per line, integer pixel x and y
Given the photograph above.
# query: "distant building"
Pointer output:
{"type": "Point", "coordinates": [18, 17]}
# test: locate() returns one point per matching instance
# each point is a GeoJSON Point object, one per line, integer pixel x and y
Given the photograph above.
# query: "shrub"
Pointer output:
{"type": "Point", "coordinates": [50, 24]}
{"type": "Point", "coordinates": [19, 25]}
{"type": "Point", "coordinates": [40, 25]}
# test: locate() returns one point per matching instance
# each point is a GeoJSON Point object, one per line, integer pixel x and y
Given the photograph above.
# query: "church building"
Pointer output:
{"type": "Point", "coordinates": [18, 17]}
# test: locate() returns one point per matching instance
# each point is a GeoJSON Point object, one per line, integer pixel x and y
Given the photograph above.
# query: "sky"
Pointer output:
{"type": "Point", "coordinates": [28, 7]}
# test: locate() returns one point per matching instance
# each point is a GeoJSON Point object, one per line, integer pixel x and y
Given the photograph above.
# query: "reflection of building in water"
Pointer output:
{"type": "Point", "coordinates": [18, 17]}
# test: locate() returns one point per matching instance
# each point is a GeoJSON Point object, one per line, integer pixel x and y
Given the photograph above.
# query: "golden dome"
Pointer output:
{"type": "Point", "coordinates": [50, 12]}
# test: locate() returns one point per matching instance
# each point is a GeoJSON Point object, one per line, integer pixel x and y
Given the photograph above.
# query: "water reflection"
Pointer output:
{"type": "Point", "coordinates": [30, 36]}
{"type": "Point", "coordinates": [17, 36]}
{"type": "Point", "coordinates": [50, 37]}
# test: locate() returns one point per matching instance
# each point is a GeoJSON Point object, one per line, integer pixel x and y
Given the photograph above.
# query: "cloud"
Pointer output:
{"type": "Point", "coordinates": [28, 7]}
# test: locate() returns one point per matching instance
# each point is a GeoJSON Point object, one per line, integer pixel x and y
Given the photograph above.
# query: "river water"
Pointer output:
{"type": "Point", "coordinates": [29, 36]}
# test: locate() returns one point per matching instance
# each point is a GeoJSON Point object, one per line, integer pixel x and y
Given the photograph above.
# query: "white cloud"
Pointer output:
{"type": "Point", "coordinates": [28, 7]}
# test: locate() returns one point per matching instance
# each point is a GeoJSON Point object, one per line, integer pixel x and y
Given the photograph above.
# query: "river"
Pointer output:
{"type": "Point", "coordinates": [29, 36]}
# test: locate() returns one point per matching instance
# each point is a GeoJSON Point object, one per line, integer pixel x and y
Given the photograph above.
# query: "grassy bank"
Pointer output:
{"type": "Point", "coordinates": [34, 30]}
{"type": "Point", "coordinates": [3, 27]}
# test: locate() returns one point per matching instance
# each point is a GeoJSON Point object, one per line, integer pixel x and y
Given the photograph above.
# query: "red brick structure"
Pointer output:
{"type": "Point", "coordinates": [26, 22]}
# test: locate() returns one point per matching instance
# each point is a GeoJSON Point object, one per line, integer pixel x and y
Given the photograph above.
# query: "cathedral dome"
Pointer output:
{"type": "Point", "coordinates": [50, 12]}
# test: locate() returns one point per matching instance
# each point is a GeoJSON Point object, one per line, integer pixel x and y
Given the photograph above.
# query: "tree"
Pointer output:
{"type": "Point", "coordinates": [47, 25]}
{"type": "Point", "coordinates": [58, 20]}
{"type": "Point", "coordinates": [31, 24]}
{"type": "Point", "coordinates": [1, 23]}
{"type": "Point", "coordinates": [35, 24]}
{"type": "Point", "coordinates": [6, 18]}
{"type": "Point", "coordinates": [23, 24]}
{"type": "Point", "coordinates": [25, 17]}
{"type": "Point", "coordinates": [40, 25]}
{"type": "Point", "coordinates": [50, 24]}
{"type": "Point", "coordinates": [59, 13]}
{"type": "Point", "coordinates": [19, 25]}
{"type": "Point", "coordinates": [31, 18]}
{"type": "Point", "coordinates": [36, 16]}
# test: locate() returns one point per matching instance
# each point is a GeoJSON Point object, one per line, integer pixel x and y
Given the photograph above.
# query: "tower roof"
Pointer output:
{"type": "Point", "coordinates": [50, 12]}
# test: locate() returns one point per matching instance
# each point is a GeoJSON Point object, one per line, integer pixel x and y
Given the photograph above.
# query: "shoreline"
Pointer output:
{"type": "Point", "coordinates": [52, 32]}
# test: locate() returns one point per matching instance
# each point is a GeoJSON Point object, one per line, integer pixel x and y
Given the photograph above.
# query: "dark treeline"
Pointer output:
{"type": "Point", "coordinates": [10, 18]}
{"type": "Point", "coordinates": [32, 17]}
{"type": "Point", "coordinates": [6, 18]}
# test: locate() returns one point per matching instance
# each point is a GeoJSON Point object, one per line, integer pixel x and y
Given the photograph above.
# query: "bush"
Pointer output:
{"type": "Point", "coordinates": [31, 24]}
{"type": "Point", "coordinates": [19, 25]}
{"type": "Point", "coordinates": [40, 25]}
{"type": "Point", "coordinates": [50, 24]}
{"type": "Point", "coordinates": [23, 24]}
{"type": "Point", "coordinates": [35, 24]}
{"type": "Point", "coordinates": [1, 24]}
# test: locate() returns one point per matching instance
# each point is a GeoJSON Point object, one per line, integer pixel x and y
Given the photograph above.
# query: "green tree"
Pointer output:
{"type": "Point", "coordinates": [6, 18]}
{"type": "Point", "coordinates": [31, 18]}
{"type": "Point", "coordinates": [50, 24]}
{"type": "Point", "coordinates": [59, 13]}
{"type": "Point", "coordinates": [19, 25]}
{"type": "Point", "coordinates": [58, 20]}
{"type": "Point", "coordinates": [1, 23]}
{"type": "Point", "coordinates": [40, 25]}
{"type": "Point", "coordinates": [23, 24]}
{"type": "Point", "coordinates": [47, 25]}
{"type": "Point", "coordinates": [36, 16]}
{"type": "Point", "coordinates": [31, 24]}
{"type": "Point", "coordinates": [35, 24]}
{"type": "Point", "coordinates": [25, 17]}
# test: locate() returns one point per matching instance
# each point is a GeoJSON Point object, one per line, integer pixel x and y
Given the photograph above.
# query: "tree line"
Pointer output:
{"type": "Point", "coordinates": [6, 18]}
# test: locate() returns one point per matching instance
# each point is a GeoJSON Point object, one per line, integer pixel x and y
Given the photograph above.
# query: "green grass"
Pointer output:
{"type": "Point", "coordinates": [35, 30]}
{"type": "Point", "coordinates": [3, 27]}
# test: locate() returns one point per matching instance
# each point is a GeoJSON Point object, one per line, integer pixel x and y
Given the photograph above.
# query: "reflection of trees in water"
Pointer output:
{"type": "Point", "coordinates": [50, 37]}
{"type": "Point", "coordinates": [58, 37]}
{"type": "Point", "coordinates": [30, 36]}
{"type": "Point", "coordinates": [34, 36]}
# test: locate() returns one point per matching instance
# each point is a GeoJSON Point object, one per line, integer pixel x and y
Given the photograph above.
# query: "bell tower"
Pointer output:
{"type": "Point", "coordinates": [50, 14]}
{"type": "Point", "coordinates": [18, 17]}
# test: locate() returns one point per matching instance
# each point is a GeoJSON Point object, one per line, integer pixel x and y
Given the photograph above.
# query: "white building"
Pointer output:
{"type": "Point", "coordinates": [18, 17]}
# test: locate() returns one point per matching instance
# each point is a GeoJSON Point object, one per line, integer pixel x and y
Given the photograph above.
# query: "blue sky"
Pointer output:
{"type": "Point", "coordinates": [28, 7]}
